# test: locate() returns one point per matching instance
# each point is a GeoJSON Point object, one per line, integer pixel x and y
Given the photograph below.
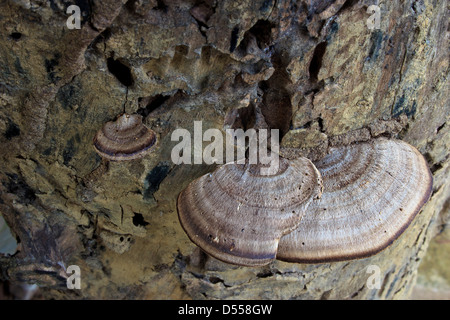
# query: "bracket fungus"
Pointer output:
{"type": "Point", "coordinates": [372, 192]}
{"type": "Point", "coordinates": [127, 138]}
{"type": "Point", "coordinates": [238, 215]}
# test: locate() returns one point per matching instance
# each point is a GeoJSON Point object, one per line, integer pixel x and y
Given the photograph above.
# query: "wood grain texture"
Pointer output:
{"type": "Point", "coordinates": [372, 192]}
{"type": "Point", "coordinates": [237, 215]}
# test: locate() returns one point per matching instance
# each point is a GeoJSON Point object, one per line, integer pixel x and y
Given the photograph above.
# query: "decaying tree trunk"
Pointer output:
{"type": "Point", "coordinates": [323, 72]}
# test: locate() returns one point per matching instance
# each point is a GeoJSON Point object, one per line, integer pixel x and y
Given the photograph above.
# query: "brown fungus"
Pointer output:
{"type": "Point", "coordinates": [126, 138]}
{"type": "Point", "coordinates": [372, 192]}
{"type": "Point", "coordinates": [237, 215]}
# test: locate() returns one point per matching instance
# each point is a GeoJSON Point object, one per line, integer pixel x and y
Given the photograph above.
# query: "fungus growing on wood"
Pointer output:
{"type": "Point", "coordinates": [126, 138]}
{"type": "Point", "coordinates": [372, 192]}
{"type": "Point", "coordinates": [237, 215]}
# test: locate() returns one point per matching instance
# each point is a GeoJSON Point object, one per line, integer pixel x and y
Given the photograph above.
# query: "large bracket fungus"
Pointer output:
{"type": "Point", "coordinates": [238, 215]}
{"type": "Point", "coordinates": [371, 193]}
{"type": "Point", "coordinates": [127, 138]}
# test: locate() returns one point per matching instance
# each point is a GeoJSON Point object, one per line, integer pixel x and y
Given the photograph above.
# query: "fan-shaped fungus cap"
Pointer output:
{"type": "Point", "coordinates": [126, 138]}
{"type": "Point", "coordinates": [238, 216]}
{"type": "Point", "coordinates": [372, 192]}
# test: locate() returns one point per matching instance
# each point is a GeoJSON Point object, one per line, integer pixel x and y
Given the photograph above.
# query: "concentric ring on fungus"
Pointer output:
{"type": "Point", "coordinates": [237, 215]}
{"type": "Point", "coordinates": [126, 138]}
{"type": "Point", "coordinates": [372, 192]}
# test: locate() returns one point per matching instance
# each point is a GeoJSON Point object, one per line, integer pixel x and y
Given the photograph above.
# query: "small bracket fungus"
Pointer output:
{"type": "Point", "coordinates": [238, 215]}
{"type": "Point", "coordinates": [126, 138]}
{"type": "Point", "coordinates": [372, 192]}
